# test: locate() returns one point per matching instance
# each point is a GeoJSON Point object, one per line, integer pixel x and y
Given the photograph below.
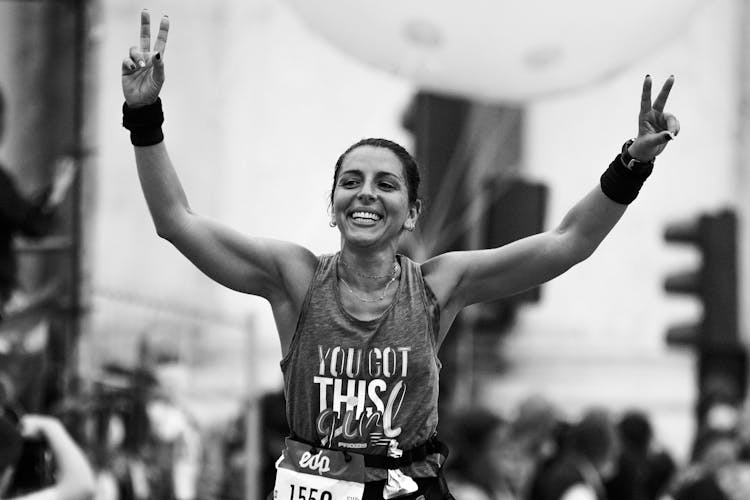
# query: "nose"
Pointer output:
{"type": "Point", "coordinates": [366, 193]}
{"type": "Point", "coordinates": [365, 196]}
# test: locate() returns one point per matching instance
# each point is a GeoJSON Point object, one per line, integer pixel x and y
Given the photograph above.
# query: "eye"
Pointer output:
{"type": "Point", "coordinates": [387, 186]}
{"type": "Point", "coordinates": [348, 183]}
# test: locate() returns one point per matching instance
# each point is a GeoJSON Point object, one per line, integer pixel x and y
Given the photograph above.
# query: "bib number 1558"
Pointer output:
{"type": "Point", "coordinates": [293, 485]}
{"type": "Point", "coordinates": [305, 493]}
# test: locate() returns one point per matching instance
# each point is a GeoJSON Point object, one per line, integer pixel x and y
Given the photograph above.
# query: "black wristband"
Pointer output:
{"type": "Point", "coordinates": [622, 184]}
{"type": "Point", "coordinates": [144, 123]}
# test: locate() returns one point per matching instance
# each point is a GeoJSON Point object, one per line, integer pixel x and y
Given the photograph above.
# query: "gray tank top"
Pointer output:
{"type": "Point", "coordinates": [355, 385]}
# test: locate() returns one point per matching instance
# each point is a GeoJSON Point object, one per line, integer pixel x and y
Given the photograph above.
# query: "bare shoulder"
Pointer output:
{"type": "Point", "coordinates": [292, 253]}
{"type": "Point", "coordinates": [296, 266]}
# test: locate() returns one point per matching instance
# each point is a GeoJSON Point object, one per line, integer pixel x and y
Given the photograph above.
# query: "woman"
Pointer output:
{"type": "Point", "coordinates": [360, 329]}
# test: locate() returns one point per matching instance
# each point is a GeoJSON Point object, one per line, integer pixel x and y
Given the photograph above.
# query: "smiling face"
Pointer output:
{"type": "Point", "coordinates": [371, 198]}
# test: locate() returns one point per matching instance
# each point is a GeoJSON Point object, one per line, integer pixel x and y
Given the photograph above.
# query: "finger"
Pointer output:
{"type": "Point", "coordinates": [128, 66]}
{"type": "Point", "coordinates": [137, 57]}
{"type": "Point", "coordinates": [673, 124]}
{"type": "Point", "coordinates": [161, 39]}
{"type": "Point", "coordinates": [145, 31]}
{"type": "Point", "coordinates": [646, 95]}
{"type": "Point", "coordinates": [158, 62]}
{"type": "Point", "coordinates": [661, 99]}
{"type": "Point", "coordinates": [665, 137]}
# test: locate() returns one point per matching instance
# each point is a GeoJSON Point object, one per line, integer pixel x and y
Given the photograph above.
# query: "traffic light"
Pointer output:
{"type": "Point", "coordinates": [720, 354]}
{"type": "Point", "coordinates": [518, 212]}
{"type": "Point", "coordinates": [714, 283]}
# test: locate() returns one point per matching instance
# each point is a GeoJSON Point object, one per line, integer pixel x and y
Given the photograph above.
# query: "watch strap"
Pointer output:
{"type": "Point", "coordinates": [631, 163]}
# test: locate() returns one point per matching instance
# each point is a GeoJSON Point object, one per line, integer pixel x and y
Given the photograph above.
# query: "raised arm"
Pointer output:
{"type": "Point", "coordinates": [278, 271]}
{"type": "Point", "coordinates": [463, 278]}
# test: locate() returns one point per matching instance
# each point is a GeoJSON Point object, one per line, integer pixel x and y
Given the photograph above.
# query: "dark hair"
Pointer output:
{"type": "Point", "coordinates": [636, 431]}
{"type": "Point", "coordinates": [411, 169]}
{"type": "Point", "coordinates": [594, 436]}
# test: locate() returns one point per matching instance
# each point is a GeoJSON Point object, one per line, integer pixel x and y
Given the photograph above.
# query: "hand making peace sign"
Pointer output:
{"type": "Point", "coordinates": [143, 70]}
{"type": "Point", "coordinates": [655, 127]}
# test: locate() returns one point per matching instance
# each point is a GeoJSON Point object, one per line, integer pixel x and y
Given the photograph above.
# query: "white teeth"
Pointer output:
{"type": "Point", "coordinates": [365, 215]}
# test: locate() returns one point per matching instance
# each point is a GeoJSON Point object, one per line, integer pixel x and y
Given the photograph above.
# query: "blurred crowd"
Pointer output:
{"type": "Point", "coordinates": [539, 455]}
{"type": "Point", "coordinates": [130, 440]}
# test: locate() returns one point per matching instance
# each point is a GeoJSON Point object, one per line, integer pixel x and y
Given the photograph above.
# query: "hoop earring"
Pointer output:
{"type": "Point", "coordinates": [332, 223]}
{"type": "Point", "coordinates": [409, 227]}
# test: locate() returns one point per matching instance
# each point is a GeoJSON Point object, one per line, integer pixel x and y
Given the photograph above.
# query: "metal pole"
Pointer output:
{"type": "Point", "coordinates": [252, 417]}
{"type": "Point", "coordinates": [74, 310]}
{"type": "Point", "coordinates": [742, 164]}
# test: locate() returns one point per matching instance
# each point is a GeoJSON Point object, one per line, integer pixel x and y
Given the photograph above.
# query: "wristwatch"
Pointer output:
{"type": "Point", "coordinates": [631, 163]}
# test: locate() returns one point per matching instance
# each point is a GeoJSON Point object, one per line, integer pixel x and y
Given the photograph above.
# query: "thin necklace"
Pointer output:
{"type": "Point", "coordinates": [365, 299]}
{"type": "Point", "coordinates": [370, 276]}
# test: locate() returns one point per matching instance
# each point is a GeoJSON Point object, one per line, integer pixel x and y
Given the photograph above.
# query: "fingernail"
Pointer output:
{"type": "Point", "coordinates": [141, 64]}
{"type": "Point", "coordinates": [648, 76]}
{"type": "Point", "coordinates": [158, 56]}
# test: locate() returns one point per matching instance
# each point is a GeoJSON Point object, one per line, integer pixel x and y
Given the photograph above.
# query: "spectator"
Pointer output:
{"type": "Point", "coordinates": [642, 472]}
{"type": "Point", "coordinates": [483, 464]}
{"type": "Point", "coordinates": [534, 430]}
{"type": "Point", "coordinates": [718, 470]}
{"type": "Point", "coordinates": [177, 436]}
{"type": "Point", "coordinates": [74, 478]}
{"type": "Point", "coordinates": [715, 451]}
{"type": "Point", "coordinates": [588, 458]}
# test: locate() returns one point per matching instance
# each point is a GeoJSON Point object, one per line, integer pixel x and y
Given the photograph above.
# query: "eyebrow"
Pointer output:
{"type": "Point", "coordinates": [380, 173]}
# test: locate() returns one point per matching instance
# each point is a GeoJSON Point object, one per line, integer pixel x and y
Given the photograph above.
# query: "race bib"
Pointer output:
{"type": "Point", "coordinates": [303, 473]}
